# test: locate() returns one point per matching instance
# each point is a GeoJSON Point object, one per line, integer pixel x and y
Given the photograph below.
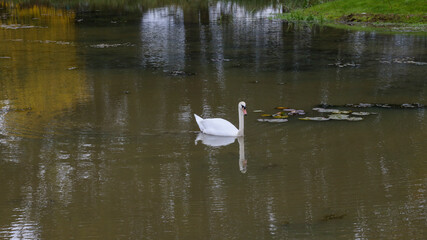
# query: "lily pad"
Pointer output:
{"type": "Point", "coordinates": [407, 105]}
{"type": "Point", "coordinates": [280, 116]}
{"type": "Point", "coordinates": [339, 116]}
{"type": "Point", "coordinates": [314, 119]}
{"type": "Point", "coordinates": [325, 110]}
{"type": "Point", "coordinates": [360, 105]}
{"type": "Point", "coordinates": [361, 113]}
{"type": "Point", "coordinates": [383, 105]}
{"type": "Point", "coordinates": [296, 112]}
{"type": "Point", "coordinates": [266, 115]}
{"type": "Point", "coordinates": [272, 120]}
{"type": "Point", "coordinates": [258, 111]}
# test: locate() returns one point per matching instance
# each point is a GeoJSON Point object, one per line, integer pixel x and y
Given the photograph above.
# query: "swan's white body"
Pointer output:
{"type": "Point", "coordinates": [222, 127]}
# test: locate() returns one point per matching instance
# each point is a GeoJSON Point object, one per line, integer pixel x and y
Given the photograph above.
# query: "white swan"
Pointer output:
{"type": "Point", "coordinates": [222, 127]}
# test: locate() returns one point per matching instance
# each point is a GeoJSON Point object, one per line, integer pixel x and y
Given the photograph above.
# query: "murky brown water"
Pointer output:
{"type": "Point", "coordinates": [97, 135]}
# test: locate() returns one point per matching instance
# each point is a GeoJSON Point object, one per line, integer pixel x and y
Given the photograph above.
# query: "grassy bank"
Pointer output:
{"type": "Point", "coordinates": [401, 11]}
{"type": "Point", "coordinates": [375, 12]}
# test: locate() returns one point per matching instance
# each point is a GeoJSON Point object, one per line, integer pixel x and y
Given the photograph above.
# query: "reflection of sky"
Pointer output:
{"type": "Point", "coordinates": [8, 143]}
{"type": "Point", "coordinates": [4, 108]}
{"type": "Point", "coordinates": [22, 228]}
{"type": "Point", "coordinates": [239, 11]}
{"type": "Point", "coordinates": [163, 38]}
{"type": "Point", "coordinates": [163, 35]}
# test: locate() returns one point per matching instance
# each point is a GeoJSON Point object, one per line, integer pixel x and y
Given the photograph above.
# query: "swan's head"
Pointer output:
{"type": "Point", "coordinates": [242, 107]}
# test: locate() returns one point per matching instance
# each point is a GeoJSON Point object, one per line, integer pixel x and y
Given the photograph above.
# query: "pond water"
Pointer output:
{"type": "Point", "coordinates": [98, 137]}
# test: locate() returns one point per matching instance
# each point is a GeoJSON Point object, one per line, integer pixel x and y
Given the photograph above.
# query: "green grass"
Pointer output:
{"type": "Point", "coordinates": [370, 15]}
{"type": "Point", "coordinates": [406, 11]}
{"type": "Point", "coordinates": [340, 7]}
{"type": "Point", "coordinates": [299, 16]}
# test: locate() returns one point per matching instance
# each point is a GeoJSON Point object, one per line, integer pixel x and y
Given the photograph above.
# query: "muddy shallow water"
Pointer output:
{"type": "Point", "coordinates": [98, 138]}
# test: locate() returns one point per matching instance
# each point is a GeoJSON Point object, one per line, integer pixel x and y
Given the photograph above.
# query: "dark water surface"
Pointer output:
{"type": "Point", "coordinates": [97, 134]}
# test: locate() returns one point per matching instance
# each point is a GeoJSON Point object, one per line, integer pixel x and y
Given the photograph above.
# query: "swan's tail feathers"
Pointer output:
{"type": "Point", "coordinates": [199, 122]}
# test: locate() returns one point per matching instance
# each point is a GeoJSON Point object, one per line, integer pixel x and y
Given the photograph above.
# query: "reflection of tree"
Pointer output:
{"type": "Point", "coordinates": [40, 79]}
{"type": "Point", "coordinates": [137, 5]}
{"type": "Point", "coordinates": [40, 76]}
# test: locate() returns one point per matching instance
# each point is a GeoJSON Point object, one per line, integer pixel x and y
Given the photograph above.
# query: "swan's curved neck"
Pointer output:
{"type": "Point", "coordinates": [241, 121]}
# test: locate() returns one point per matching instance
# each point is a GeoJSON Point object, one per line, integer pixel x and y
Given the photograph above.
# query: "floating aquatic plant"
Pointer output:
{"type": "Point", "coordinates": [274, 120]}
{"type": "Point", "coordinates": [373, 105]}
{"type": "Point", "coordinates": [296, 112]}
{"type": "Point", "coordinates": [408, 105]}
{"type": "Point", "coordinates": [324, 110]}
{"type": "Point", "coordinates": [314, 119]}
{"type": "Point", "coordinates": [360, 105]}
{"type": "Point", "coordinates": [280, 116]}
{"type": "Point", "coordinates": [285, 113]}
{"type": "Point", "coordinates": [338, 116]}
{"type": "Point", "coordinates": [344, 117]}
{"type": "Point", "coordinates": [404, 60]}
{"type": "Point", "coordinates": [362, 113]}
{"type": "Point", "coordinates": [335, 111]}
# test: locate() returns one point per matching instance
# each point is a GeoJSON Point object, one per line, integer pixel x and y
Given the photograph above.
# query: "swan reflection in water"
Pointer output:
{"type": "Point", "coordinates": [219, 141]}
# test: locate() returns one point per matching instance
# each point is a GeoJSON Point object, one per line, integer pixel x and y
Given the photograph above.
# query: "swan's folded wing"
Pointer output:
{"type": "Point", "coordinates": [219, 127]}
